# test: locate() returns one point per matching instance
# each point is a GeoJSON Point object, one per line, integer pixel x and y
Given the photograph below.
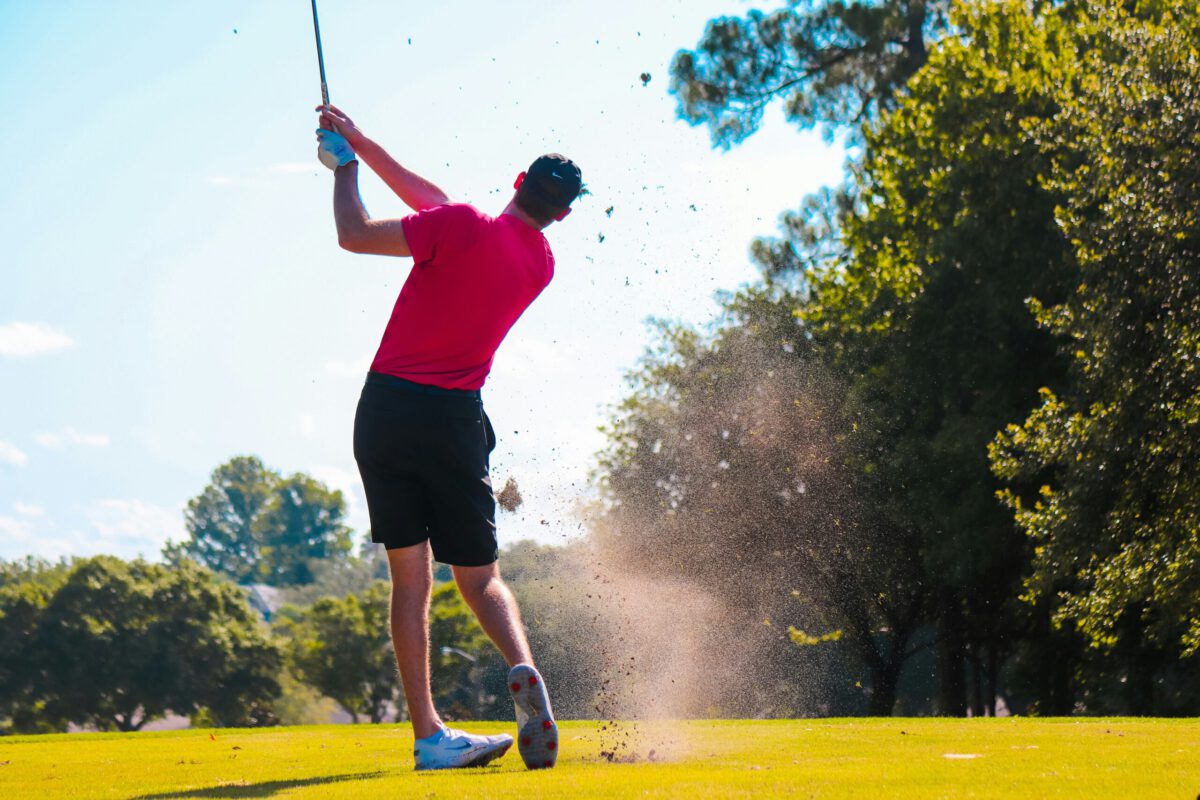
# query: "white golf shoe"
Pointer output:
{"type": "Point", "coordinates": [537, 735]}
{"type": "Point", "coordinates": [454, 748]}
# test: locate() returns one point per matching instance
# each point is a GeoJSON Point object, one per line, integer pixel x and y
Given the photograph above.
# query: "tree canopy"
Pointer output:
{"type": "Point", "coordinates": [116, 644]}
{"type": "Point", "coordinates": [1104, 474]}
{"type": "Point", "coordinates": [257, 526]}
{"type": "Point", "coordinates": [831, 63]}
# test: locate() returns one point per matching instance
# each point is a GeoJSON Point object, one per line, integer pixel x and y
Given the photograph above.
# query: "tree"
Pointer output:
{"type": "Point", "coordinates": [925, 312]}
{"type": "Point", "coordinates": [256, 526]}
{"type": "Point", "coordinates": [911, 283]}
{"type": "Point", "coordinates": [122, 643]}
{"type": "Point", "coordinates": [221, 521]}
{"type": "Point", "coordinates": [724, 468]}
{"type": "Point", "coordinates": [341, 647]}
{"type": "Point", "coordinates": [832, 63]}
{"type": "Point", "coordinates": [25, 589]}
{"type": "Point", "coordinates": [301, 524]}
{"type": "Point", "coordinates": [1104, 475]}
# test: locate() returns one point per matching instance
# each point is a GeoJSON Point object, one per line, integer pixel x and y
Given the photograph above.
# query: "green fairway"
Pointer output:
{"type": "Point", "coordinates": [892, 758]}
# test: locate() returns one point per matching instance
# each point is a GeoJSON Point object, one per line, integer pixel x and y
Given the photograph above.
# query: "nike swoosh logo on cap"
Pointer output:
{"type": "Point", "coordinates": [555, 174]}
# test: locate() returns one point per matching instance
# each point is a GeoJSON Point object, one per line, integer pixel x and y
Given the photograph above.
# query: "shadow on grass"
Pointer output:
{"type": "Point", "coordinates": [264, 789]}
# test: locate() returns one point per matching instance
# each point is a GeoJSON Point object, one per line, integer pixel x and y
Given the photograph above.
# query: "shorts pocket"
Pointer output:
{"type": "Point", "coordinates": [489, 433]}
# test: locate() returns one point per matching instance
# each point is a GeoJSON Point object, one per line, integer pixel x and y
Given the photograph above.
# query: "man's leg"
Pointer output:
{"type": "Point", "coordinates": [412, 582]}
{"type": "Point", "coordinates": [496, 609]}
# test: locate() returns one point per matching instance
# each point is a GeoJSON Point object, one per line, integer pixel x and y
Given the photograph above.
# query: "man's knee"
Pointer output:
{"type": "Point", "coordinates": [475, 581]}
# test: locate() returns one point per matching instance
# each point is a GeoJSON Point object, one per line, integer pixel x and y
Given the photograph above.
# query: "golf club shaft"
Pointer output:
{"type": "Point", "coordinates": [320, 55]}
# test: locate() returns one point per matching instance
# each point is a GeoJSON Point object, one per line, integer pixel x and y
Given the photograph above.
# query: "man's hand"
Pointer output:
{"type": "Point", "coordinates": [416, 192]}
{"type": "Point", "coordinates": [334, 119]}
{"type": "Point", "coordinates": [333, 151]}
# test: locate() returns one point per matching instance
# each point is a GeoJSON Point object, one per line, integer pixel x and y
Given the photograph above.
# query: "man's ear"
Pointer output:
{"type": "Point", "coordinates": [563, 215]}
{"type": "Point", "coordinates": [520, 179]}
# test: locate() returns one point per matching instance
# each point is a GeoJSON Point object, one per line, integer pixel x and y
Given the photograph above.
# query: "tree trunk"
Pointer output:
{"type": "Point", "coordinates": [993, 678]}
{"type": "Point", "coordinates": [918, 53]}
{"type": "Point", "coordinates": [125, 723]}
{"type": "Point", "coordinates": [952, 689]}
{"type": "Point", "coordinates": [885, 671]}
{"type": "Point", "coordinates": [978, 707]}
{"type": "Point", "coordinates": [884, 677]}
{"type": "Point", "coordinates": [1056, 659]}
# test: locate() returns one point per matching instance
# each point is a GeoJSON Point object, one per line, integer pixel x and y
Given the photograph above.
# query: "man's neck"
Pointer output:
{"type": "Point", "coordinates": [512, 209]}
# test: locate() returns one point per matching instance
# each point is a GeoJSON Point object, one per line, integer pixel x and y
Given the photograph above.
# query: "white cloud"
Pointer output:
{"type": "Point", "coordinates": [220, 180]}
{"type": "Point", "coordinates": [27, 339]}
{"type": "Point", "coordinates": [296, 167]}
{"type": "Point", "coordinates": [128, 528]}
{"type": "Point", "coordinates": [306, 424]}
{"type": "Point", "coordinates": [69, 436]}
{"type": "Point", "coordinates": [21, 537]}
{"type": "Point", "coordinates": [526, 356]}
{"type": "Point", "coordinates": [11, 454]}
{"type": "Point", "coordinates": [28, 509]}
{"type": "Point", "coordinates": [355, 368]}
{"type": "Point", "coordinates": [15, 531]}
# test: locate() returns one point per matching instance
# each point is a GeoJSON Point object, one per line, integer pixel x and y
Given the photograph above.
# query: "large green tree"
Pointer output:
{"type": "Point", "coordinates": [925, 312]}
{"type": "Point", "coordinates": [910, 283]}
{"type": "Point", "coordinates": [256, 526]}
{"type": "Point", "coordinates": [119, 644]}
{"type": "Point", "coordinates": [1105, 472]}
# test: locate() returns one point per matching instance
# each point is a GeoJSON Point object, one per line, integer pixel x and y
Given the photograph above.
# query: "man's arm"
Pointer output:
{"type": "Point", "coordinates": [357, 232]}
{"type": "Point", "coordinates": [416, 192]}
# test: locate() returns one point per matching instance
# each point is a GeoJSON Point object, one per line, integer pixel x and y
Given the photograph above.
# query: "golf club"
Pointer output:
{"type": "Point", "coordinates": [320, 55]}
{"type": "Point", "coordinates": [324, 157]}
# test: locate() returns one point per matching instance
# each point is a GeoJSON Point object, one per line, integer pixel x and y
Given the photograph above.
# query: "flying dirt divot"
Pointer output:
{"type": "Point", "coordinates": [509, 497]}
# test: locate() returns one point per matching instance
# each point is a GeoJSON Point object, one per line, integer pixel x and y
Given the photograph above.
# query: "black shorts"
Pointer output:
{"type": "Point", "coordinates": [422, 453]}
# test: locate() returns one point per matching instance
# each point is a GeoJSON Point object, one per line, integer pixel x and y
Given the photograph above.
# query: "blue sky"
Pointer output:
{"type": "Point", "coordinates": [171, 291]}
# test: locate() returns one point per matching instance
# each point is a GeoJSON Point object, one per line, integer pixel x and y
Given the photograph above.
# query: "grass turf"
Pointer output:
{"type": "Point", "coordinates": [869, 758]}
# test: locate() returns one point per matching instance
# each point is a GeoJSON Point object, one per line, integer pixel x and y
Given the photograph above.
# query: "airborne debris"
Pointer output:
{"type": "Point", "coordinates": [509, 497]}
{"type": "Point", "coordinates": [608, 211]}
{"type": "Point", "coordinates": [645, 76]}
{"type": "Point", "coordinates": [601, 238]}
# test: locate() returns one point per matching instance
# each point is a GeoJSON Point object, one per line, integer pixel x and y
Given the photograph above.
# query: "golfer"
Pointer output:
{"type": "Point", "coordinates": [421, 436]}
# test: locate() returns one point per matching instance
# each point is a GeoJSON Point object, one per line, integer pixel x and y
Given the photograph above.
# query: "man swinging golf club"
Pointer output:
{"type": "Point", "coordinates": [421, 436]}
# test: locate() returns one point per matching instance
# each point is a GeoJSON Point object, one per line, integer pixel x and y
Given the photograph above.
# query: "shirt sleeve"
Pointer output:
{"type": "Point", "coordinates": [439, 231]}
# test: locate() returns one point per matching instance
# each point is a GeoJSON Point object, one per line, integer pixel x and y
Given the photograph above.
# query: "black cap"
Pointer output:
{"type": "Point", "coordinates": [555, 179]}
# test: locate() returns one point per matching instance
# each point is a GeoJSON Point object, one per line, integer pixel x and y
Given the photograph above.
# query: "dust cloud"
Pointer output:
{"type": "Point", "coordinates": [706, 544]}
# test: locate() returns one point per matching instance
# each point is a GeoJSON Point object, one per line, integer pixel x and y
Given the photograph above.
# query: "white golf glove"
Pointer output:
{"type": "Point", "coordinates": [333, 151]}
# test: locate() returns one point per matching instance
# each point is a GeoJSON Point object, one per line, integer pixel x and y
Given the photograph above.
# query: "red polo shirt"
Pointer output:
{"type": "Point", "coordinates": [472, 277]}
